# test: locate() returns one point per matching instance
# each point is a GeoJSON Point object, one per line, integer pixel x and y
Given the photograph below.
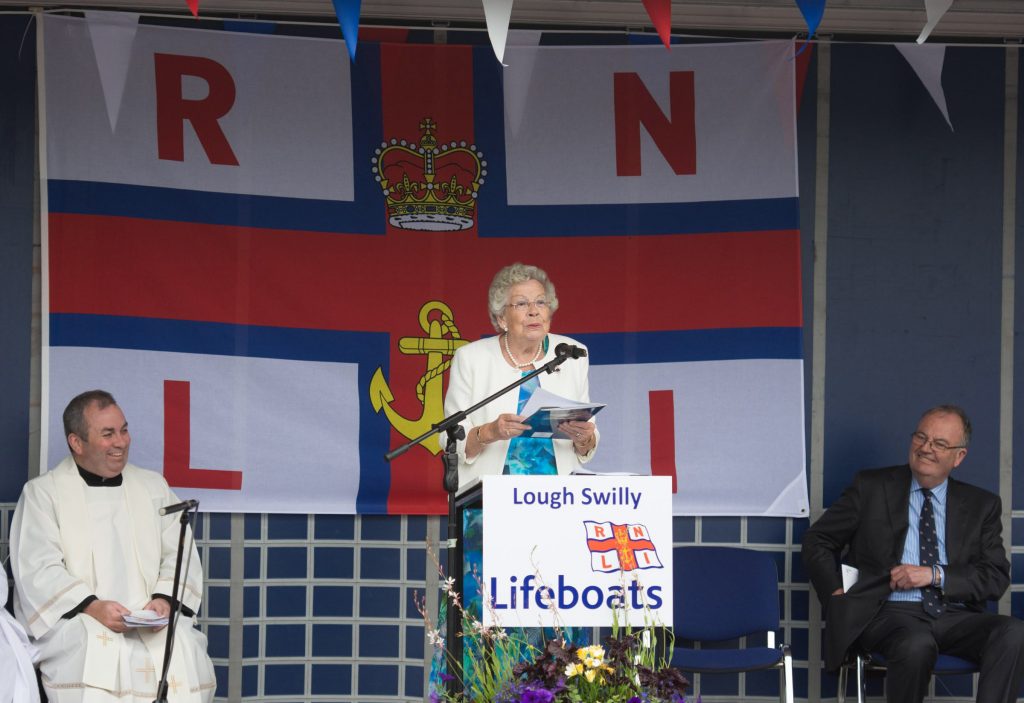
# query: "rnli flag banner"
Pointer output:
{"type": "Point", "coordinates": [577, 550]}
{"type": "Point", "coordinates": [620, 547]}
{"type": "Point", "coordinates": [269, 254]}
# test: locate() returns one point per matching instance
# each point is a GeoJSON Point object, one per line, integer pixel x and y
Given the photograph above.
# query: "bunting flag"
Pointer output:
{"type": "Point", "coordinates": [193, 5]}
{"type": "Point", "coordinates": [517, 83]}
{"type": "Point", "coordinates": [112, 35]}
{"type": "Point", "coordinates": [297, 260]}
{"type": "Point", "coordinates": [813, 11]}
{"type": "Point", "coordinates": [802, 59]}
{"type": "Point", "coordinates": [927, 61]}
{"type": "Point", "coordinates": [934, 10]}
{"type": "Point", "coordinates": [348, 17]}
{"type": "Point", "coordinates": [498, 14]}
{"type": "Point", "coordinates": [660, 12]}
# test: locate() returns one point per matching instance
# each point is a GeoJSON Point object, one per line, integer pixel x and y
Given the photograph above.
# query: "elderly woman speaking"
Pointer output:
{"type": "Point", "coordinates": [522, 302]}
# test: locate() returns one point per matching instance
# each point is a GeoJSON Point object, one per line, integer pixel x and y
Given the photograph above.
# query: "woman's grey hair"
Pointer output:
{"type": "Point", "coordinates": [514, 274]}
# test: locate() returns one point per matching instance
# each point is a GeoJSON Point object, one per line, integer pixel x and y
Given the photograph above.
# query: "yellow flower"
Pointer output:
{"type": "Point", "coordinates": [590, 674]}
{"type": "Point", "coordinates": [573, 669]}
{"type": "Point", "coordinates": [592, 656]}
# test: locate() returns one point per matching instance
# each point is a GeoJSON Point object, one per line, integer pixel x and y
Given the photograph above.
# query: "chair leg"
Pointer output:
{"type": "Point", "coordinates": [862, 683]}
{"type": "Point", "coordinates": [787, 672]}
{"type": "Point", "coordinates": [844, 676]}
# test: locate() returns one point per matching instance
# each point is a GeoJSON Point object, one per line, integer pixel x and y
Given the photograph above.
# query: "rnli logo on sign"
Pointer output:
{"type": "Point", "coordinates": [620, 547]}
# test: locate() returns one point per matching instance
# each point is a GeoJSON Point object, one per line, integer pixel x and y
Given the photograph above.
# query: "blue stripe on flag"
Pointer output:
{"type": "Point", "coordinates": [368, 350]}
{"type": "Point", "coordinates": [498, 220]}
{"type": "Point", "coordinates": [693, 345]}
{"type": "Point", "coordinates": [365, 215]}
{"type": "Point", "coordinates": [179, 205]}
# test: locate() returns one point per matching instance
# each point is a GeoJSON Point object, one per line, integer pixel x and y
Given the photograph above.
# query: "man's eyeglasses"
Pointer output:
{"type": "Point", "coordinates": [921, 439]}
{"type": "Point", "coordinates": [524, 305]}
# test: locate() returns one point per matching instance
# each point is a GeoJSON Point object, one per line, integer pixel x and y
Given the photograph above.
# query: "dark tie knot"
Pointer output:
{"type": "Point", "coordinates": [926, 493]}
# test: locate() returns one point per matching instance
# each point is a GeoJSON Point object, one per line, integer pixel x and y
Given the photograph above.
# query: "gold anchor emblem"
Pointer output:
{"type": "Point", "coordinates": [442, 340]}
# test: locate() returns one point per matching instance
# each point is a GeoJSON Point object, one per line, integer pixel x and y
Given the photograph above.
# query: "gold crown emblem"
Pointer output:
{"type": "Point", "coordinates": [429, 187]}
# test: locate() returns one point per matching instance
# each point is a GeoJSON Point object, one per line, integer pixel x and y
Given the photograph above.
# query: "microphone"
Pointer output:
{"type": "Point", "coordinates": [570, 351]}
{"type": "Point", "coordinates": [178, 507]}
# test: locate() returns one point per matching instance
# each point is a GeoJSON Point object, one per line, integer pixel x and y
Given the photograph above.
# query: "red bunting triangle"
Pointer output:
{"type": "Point", "coordinates": [194, 6]}
{"type": "Point", "coordinates": [803, 63]}
{"type": "Point", "coordinates": [660, 12]}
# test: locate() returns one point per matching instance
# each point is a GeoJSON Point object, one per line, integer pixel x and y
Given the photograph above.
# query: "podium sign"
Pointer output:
{"type": "Point", "coordinates": [566, 550]}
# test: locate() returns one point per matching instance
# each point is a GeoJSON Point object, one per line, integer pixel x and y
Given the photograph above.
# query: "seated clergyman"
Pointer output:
{"type": "Point", "coordinates": [88, 546]}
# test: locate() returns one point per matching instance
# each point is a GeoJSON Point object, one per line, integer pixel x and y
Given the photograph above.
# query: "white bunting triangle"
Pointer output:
{"type": "Point", "coordinates": [498, 14]}
{"type": "Point", "coordinates": [112, 35]}
{"type": "Point", "coordinates": [934, 9]}
{"type": "Point", "coordinates": [524, 43]}
{"type": "Point", "coordinates": [927, 61]}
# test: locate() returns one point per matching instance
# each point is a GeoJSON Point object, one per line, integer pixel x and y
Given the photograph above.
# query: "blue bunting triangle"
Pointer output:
{"type": "Point", "coordinates": [813, 11]}
{"type": "Point", "coordinates": [348, 17]}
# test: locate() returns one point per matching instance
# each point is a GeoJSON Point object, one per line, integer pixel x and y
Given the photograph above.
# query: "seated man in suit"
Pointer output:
{"type": "Point", "coordinates": [930, 553]}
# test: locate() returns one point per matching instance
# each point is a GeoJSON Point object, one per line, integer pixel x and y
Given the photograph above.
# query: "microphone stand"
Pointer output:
{"type": "Point", "coordinates": [172, 623]}
{"type": "Point", "coordinates": [450, 482]}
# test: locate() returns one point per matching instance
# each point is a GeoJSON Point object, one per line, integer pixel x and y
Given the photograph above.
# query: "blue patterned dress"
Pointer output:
{"type": "Point", "coordinates": [526, 456]}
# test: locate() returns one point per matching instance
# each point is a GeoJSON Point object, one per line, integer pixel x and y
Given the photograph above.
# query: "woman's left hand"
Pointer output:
{"type": "Point", "coordinates": [581, 433]}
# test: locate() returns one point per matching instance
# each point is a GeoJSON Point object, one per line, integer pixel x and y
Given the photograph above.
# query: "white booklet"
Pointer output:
{"type": "Point", "coordinates": [545, 410]}
{"type": "Point", "coordinates": [850, 576]}
{"type": "Point", "coordinates": [144, 618]}
{"type": "Point", "coordinates": [582, 471]}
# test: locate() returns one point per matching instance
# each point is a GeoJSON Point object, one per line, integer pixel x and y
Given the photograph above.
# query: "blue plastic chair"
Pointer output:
{"type": "Point", "coordinates": [863, 664]}
{"type": "Point", "coordinates": [723, 594]}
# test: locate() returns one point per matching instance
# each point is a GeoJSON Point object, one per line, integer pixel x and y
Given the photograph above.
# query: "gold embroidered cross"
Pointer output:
{"type": "Point", "coordinates": [173, 684]}
{"type": "Point", "coordinates": [104, 638]}
{"type": "Point", "coordinates": [147, 670]}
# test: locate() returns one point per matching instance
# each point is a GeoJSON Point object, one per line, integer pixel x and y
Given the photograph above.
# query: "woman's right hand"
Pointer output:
{"type": "Point", "coordinates": [506, 426]}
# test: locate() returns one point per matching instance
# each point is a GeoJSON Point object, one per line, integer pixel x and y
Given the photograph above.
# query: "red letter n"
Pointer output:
{"type": "Point", "coordinates": [675, 136]}
{"type": "Point", "coordinates": [172, 109]}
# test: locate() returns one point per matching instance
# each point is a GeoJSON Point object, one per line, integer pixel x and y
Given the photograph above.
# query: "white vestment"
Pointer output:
{"type": "Point", "coordinates": [70, 541]}
{"type": "Point", "coordinates": [17, 675]}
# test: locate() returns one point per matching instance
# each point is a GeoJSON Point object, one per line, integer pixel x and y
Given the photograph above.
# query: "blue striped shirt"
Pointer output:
{"type": "Point", "coordinates": [912, 546]}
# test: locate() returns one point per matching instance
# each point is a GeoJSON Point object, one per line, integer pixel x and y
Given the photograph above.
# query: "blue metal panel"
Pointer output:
{"type": "Point", "coordinates": [1018, 308]}
{"type": "Point", "coordinates": [17, 158]}
{"type": "Point", "coordinates": [914, 256]}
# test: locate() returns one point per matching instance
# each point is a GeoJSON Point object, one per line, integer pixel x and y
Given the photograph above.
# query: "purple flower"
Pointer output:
{"type": "Point", "coordinates": [447, 677]}
{"type": "Point", "coordinates": [536, 695]}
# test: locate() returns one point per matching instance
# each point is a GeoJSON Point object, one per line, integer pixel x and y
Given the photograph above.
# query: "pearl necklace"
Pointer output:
{"type": "Point", "coordinates": [514, 360]}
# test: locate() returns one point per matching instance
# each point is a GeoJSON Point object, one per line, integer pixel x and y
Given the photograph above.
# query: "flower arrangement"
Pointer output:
{"type": "Point", "coordinates": [505, 666]}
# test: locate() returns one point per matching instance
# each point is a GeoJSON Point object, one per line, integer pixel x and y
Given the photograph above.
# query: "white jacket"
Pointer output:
{"type": "Point", "coordinates": [479, 370]}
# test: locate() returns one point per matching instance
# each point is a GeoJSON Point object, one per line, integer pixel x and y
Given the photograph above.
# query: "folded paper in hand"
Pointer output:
{"type": "Point", "coordinates": [545, 410]}
{"type": "Point", "coordinates": [850, 576]}
{"type": "Point", "coordinates": [144, 618]}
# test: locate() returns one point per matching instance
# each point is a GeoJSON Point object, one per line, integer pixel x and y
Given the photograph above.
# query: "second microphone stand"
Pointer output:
{"type": "Point", "coordinates": [172, 624]}
{"type": "Point", "coordinates": [450, 461]}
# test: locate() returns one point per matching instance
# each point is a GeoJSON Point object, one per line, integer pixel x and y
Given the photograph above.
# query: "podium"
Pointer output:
{"type": "Point", "coordinates": [570, 550]}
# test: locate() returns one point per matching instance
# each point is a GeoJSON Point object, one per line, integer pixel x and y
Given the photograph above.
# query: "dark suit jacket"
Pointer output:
{"type": "Point", "coordinates": [870, 521]}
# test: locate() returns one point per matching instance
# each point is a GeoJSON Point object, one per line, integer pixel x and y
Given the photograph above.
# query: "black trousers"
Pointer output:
{"type": "Point", "coordinates": [911, 642]}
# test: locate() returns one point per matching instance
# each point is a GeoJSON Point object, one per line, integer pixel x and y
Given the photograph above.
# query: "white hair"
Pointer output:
{"type": "Point", "coordinates": [512, 275]}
